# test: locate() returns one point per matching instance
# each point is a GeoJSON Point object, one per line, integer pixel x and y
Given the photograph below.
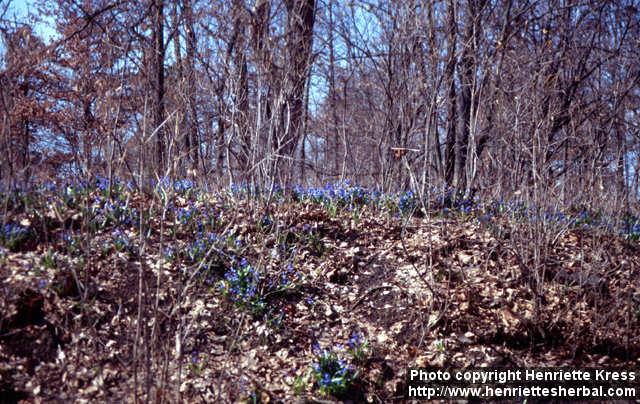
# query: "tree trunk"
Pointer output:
{"type": "Point", "coordinates": [467, 84]}
{"type": "Point", "coordinates": [334, 142]}
{"type": "Point", "coordinates": [300, 20]}
{"type": "Point", "coordinates": [450, 141]}
{"type": "Point", "coordinates": [193, 128]}
{"type": "Point", "coordinates": [159, 52]}
{"type": "Point", "coordinates": [182, 116]}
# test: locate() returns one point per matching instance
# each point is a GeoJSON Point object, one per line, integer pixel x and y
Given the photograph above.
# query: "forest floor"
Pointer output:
{"type": "Point", "coordinates": [221, 300]}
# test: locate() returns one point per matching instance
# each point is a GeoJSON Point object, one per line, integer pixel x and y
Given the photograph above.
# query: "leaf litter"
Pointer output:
{"type": "Point", "coordinates": [425, 291]}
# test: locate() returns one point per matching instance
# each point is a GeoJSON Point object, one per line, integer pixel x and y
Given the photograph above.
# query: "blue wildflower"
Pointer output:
{"type": "Point", "coordinates": [102, 183]}
{"type": "Point", "coordinates": [355, 340]}
{"type": "Point", "coordinates": [332, 373]}
{"type": "Point", "coordinates": [13, 235]}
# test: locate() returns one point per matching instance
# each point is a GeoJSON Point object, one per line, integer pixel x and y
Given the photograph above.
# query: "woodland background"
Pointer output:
{"type": "Point", "coordinates": [539, 98]}
{"type": "Point", "coordinates": [480, 171]}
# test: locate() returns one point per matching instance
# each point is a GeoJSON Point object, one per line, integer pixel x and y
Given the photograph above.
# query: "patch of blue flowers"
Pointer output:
{"type": "Point", "coordinates": [197, 249]}
{"type": "Point", "coordinates": [115, 188]}
{"type": "Point", "coordinates": [121, 242]}
{"type": "Point", "coordinates": [631, 228]}
{"type": "Point", "coordinates": [71, 243]}
{"type": "Point", "coordinates": [110, 211]}
{"type": "Point", "coordinates": [266, 222]}
{"type": "Point", "coordinates": [192, 219]}
{"type": "Point", "coordinates": [249, 288]}
{"type": "Point", "coordinates": [241, 285]}
{"type": "Point", "coordinates": [183, 186]}
{"type": "Point", "coordinates": [576, 218]}
{"type": "Point", "coordinates": [286, 279]}
{"type": "Point", "coordinates": [185, 216]}
{"type": "Point", "coordinates": [121, 214]}
{"type": "Point", "coordinates": [332, 374]}
{"type": "Point", "coordinates": [13, 236]}
{"type": "Point", "coordinates": [407, 203]}
{"type": "Point", "coordinates": [345, 195]}
{"type": "Point", "coordinates": [358, 346]}
{"type": "Point", "coordinates": [450, 200]}
{"type": "Point", "coordinates": [342, 194]}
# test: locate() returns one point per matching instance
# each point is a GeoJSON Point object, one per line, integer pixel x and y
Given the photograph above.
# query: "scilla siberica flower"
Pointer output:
{"type": "Point", "coordinates": [333, 375]}
{"type": "Point", "coordinates": [13, 235]}
{"type": "Point", "coordinates": [241, 285]}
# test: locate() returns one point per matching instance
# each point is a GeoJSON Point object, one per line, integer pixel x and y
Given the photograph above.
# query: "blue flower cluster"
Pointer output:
{"type": "Point", "coordinates": [195, 219]}
{"type": "Point", "coordinates": [113, 211]}
{"type": "Point", "coordinates": [333, 374]}
{"type": "Point", "coordinates": [407, 203]}
{"type": "Point", "coordinates": [576, 217]}
{"type": "Point", "coordinates": [248, 288]}
{"type": "Point", "coordinates": [197, 248]}
{"type": "Point", "coordinates": [519, 211]}
{"type": "Point", "coordinates": [183, 186]}
{"type": "Point", "coordinates": [14, 231]}
{"type": "Point", "coordinates": [355, 340]}
{"type": "Point", "coordinates": [71, 243]}
{"type": "Point", "coordinates": [122, 214]}
{"type": "Point", "coordinates": [49, 186]}
{"type": "Point", "coordinates": [102, 183]}
{"type": "Point", "coordinates": [358, 346]}
{"type": "Point", "coordinates": [72, 192]}
{"type": "Point", "coordinates": [169, 253]}
{"type": "Point", "coordinates": [342, 194]}
{"type": "Point", "coordinates": [186, 215]}
{"type": "Point", "coordinates": [121, 241]}
{"type": "Point", "coordinates": [452, 200]}
{"type": "Point", "coordinates": [13, 235]}
{"type": "Point", "coordinates": [241, 285]}
{"type": "Point", "coordinates": [499, 207]}
{"type": "Point", "coordinates": [266, 222]}
{"type": "Point", "coordinates": [239, 189]}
